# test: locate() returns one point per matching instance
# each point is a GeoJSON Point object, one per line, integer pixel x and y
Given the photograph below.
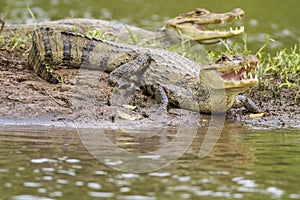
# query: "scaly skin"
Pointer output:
{"type": "Point", "coordinates": [189, 25]}
{"type": "Point", "coordinates": [172, 78]}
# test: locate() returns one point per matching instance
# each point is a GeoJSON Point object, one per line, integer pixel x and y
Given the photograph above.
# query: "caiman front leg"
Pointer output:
{"type": "Point", "coordinates": [243, 101]}
{"type": "Point", "coordinates": [123, 74]}
{"type": "Point", "coordinates": [126, 77]}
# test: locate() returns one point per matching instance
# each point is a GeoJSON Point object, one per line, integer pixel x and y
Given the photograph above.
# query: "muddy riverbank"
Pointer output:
{"type": "Point", "coordinates": [27, 98]}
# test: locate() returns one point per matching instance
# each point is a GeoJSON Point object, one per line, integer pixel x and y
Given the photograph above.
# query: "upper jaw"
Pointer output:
{"type": "Point", "coordinates": [194, 24]}
{"type": "Point", "coordinates": [205, 17]}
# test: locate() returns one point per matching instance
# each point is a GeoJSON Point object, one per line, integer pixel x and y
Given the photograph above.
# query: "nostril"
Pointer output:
{"type": "Point", "coordinates": [239, 11]}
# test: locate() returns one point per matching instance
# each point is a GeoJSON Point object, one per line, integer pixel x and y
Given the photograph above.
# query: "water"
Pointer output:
{"type": "Point", "coordinates": [52, 163]}
{"type": "Point", "coordinates": [277, 18]}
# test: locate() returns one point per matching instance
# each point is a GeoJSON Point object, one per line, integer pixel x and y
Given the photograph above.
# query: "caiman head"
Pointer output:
{"type": "Point", "coordinates": [228, 76]}
{"type": "Point", "coordinates": [199, 25]}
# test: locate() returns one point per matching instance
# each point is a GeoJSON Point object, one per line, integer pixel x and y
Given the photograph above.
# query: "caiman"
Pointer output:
{"type": "Point", "coordinates": [173, 79]}
{"type": "Point", "coordinates": [199, 25]}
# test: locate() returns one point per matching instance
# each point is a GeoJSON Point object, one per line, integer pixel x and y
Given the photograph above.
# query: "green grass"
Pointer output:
{"type": "Point", "coordinates": [97, 33]}
{"type": "Point", "coordinates": [285, 65]}
{"type": "Point", "coordinates": [14, 42]}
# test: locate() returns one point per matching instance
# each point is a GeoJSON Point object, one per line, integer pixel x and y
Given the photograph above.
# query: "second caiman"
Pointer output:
{"type": "Point", "coordinates": [173, 79]}
{"type": "Point", "coordinates": [199, 25]}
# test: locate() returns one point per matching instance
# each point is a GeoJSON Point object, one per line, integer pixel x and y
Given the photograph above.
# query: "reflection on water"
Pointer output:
{"type": "Point", "coordinates": [50, 163]}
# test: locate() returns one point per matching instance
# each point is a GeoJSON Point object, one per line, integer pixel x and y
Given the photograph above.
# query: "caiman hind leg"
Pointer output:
{"type": "Point", "coordinates": [243, 101]}
{"type": "Point", "coordinates": [162, 97]}
{"type": "Point", "coordinates": [160, 93]}
{"type": "Point", "coordinates": [159, 114]}
{"type": "Point", "coordinates": [176, 96]}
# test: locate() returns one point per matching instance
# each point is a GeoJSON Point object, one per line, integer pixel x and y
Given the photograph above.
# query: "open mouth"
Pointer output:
{"type": "Point", "coordinates": [245, 72]}
{"type": "Point", "coordinates": [230, 25]}
{"type": "Point", "coordinates": [236, 71]}
{"type": "Point", "coordinates": [204, 26]}
{"type": "Point", "coordinates": [219, 23]}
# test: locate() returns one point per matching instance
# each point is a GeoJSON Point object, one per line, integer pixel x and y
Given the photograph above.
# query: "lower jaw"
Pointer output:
{"type": "Point", "coordinates": [241, 84]}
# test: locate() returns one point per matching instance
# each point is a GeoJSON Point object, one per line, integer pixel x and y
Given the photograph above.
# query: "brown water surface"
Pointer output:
{"type": "Point", "coordinates": [53, 163]}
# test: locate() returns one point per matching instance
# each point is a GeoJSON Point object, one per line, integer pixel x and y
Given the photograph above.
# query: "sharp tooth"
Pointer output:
{"type": "Point", "coordinates": [251, 77]}
{"type": "Point", "coordinates": [245, 67]}
{"type": "Point", "coordinates": [230, 28]}
{"type": "Point", "coordinates": [256, 77]}
{"type": "Point", "coordinates": [235, 71]}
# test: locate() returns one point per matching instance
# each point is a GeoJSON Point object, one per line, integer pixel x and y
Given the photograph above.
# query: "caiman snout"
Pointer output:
{"type": "Point", "coordinates": [238, 11]}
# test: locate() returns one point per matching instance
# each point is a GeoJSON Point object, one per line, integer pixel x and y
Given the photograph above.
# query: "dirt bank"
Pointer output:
{"type": "Point", "coordinates": [24, 96]}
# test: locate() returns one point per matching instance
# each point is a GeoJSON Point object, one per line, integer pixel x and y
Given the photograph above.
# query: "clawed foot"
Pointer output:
{"type": "Point", "coordinates": [243, 101]}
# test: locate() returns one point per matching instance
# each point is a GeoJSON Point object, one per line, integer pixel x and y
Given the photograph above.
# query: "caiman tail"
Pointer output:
{"type": "Point", "coordinates": [52, 49]}
{"type": "Point", "coordinates": [35, 61]}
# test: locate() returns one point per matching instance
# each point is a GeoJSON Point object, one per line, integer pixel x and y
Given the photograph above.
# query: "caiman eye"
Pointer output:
{"type": "Point", "coordinates": [225, 57]}
{"type": "Point", "coordinates": [201, 11]}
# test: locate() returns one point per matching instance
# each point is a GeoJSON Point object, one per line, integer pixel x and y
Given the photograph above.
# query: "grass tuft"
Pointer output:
{"type": "Point", "coordinates": [285, 66]}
